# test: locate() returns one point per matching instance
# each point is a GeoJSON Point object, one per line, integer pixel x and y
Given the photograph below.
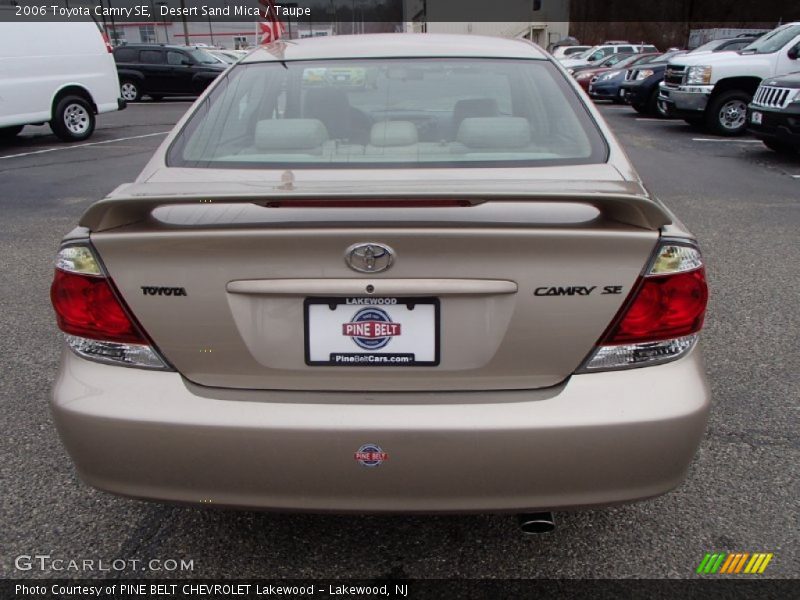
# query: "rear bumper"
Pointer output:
{"type": "Point", "coordinates": [598, 439]}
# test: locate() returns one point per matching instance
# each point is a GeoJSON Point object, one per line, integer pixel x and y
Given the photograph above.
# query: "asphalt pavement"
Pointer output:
{"type": "Point", "coordinates": [741, 494]}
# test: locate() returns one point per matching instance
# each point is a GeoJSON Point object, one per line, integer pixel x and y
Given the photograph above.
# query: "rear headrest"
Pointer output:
{"type": "Point", "coordinates": [474, 107]}
{"type": "Point", "coordinates": [393, 133]}
{"type": "Point", "coordinates": [495, 132]}
{"type": "Point", "coordinates": [290, 134]}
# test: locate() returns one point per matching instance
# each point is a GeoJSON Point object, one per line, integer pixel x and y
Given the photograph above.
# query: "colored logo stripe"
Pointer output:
{"type": "Point", "coordinates": [733, 563]}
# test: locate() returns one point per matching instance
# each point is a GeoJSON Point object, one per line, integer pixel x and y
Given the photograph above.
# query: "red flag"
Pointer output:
{"type": "Point", "coordinates": [272, 29]}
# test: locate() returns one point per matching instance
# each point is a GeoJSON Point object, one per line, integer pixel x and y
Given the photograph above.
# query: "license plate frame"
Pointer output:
{"type": "Point", "coordinates": [349, 353]}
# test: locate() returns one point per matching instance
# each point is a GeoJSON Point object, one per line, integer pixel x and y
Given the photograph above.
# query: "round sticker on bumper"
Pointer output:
{"type": "Point", "coordinates": [370, 455]}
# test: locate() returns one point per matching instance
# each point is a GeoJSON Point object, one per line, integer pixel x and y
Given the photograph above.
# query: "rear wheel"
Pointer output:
{"type": "Point", "coordinates": [781, 147]}
{"type": "Point", "coordinates": [130, 91]}
{"type": "Point", "coordinates": [6, 133]}
{"type": "Point", "coordinates": [727, 113]}
{"type": "Point", "coordinates": [73, 119]}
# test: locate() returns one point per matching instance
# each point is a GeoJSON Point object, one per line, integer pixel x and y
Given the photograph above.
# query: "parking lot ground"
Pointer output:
{"type": "Point", "coordinates": [741, 494]}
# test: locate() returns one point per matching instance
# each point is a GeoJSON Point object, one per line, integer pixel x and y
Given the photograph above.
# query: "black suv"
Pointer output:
{"type": "Point", "coordinates": [158, 70]}
{"type": "Point", "coordinates": [774, 113]}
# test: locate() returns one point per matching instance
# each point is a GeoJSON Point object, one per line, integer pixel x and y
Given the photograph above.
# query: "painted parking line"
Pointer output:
{"type": "Point", "coordinates": [729, 140]}
{"type": "Point", "coordinates": [75, 146]}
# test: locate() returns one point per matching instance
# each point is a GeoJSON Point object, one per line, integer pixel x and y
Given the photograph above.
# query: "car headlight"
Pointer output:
{"type": "Point", "coordinates": [699, 75]}
{"type": "Point", "coordinates": [584, 75]}
{"type": "Point", "coordinates": [609, 75]}
{"type": "Point", "coordinates": [644, 74]}
{"type": "Point", "coordinates": [796, 97]}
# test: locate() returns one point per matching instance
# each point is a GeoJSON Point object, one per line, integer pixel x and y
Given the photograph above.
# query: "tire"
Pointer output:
{"type": "Point", "coordinates": [73, 119]}
{"type": "Point", "coordinates": [130, 90]}
{"type": "Point", "coordinates": [642, 109]}
{"type": "Point", "coordinates": [652, 104]}
{"type": "Point", "coordinates": [7, 133]}
{"type": "Point", "coordinates": [781, 147]}
{"type": "Point", "coordinates": [664, 110]}
{"type": "Point", "coordinates": [727, 113]}
{"type": "Point", "coordinates": [695, 122]}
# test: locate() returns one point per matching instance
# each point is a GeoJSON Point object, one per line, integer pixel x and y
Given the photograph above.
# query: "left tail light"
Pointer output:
{"type": "Point", "coordinates": [97, 324]}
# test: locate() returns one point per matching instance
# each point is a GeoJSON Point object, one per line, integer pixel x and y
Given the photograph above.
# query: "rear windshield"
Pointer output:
{"type": "Point", "coordinates": [382, 112]}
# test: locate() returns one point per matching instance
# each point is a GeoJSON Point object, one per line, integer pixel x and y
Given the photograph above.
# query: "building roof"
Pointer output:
{"type": "Point", "coordinates": [395, 45]}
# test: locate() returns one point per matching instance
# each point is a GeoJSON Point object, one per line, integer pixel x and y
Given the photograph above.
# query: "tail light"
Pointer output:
{"type": "Point", "coordinates": [107, 42]}
{"type": "Point", "coordinates": [660, 320]}
{"type": "Point", "coordinates": [88, 309]}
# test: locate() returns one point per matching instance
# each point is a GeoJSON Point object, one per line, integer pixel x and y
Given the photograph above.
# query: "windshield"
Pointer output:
{"type": "Point", "coordinates": [448, 112]}
{"type": "Point", "coordinates": [633, 60]}
{"type": "Point", "coordinates": [587, 53]}
{"type": "Point", "coordinates": [772, 41]}
{"type": "Point", "coordinates": [709, 46]}
{"type": "Point", "coordinates": [203, 57]}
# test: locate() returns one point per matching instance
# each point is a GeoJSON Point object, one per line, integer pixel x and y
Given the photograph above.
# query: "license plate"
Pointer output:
{"type": "Point", "coordinates": [372, 332]}
{"type": "Point", "coordinates": [756, 118]}
{"type": "Point", "coordinates": [622, 93]}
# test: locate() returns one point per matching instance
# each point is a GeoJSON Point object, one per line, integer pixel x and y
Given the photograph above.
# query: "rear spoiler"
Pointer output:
{"type": "Point", "coordinates": [495, 208]}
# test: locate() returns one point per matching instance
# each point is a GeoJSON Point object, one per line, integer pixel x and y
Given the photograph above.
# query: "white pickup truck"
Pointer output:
{"type": "Point", "coordinates": [715, 89]}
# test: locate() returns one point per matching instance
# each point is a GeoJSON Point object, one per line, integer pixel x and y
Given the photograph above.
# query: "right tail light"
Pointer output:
{"type": "Point", "coordinates": [661, 318]}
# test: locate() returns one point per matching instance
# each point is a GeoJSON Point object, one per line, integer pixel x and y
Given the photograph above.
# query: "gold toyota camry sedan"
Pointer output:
{"type": "Point", "coordinates": [446, 289]}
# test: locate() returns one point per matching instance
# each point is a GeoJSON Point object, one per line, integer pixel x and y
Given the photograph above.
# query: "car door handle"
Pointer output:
{"type": "Point", "coordinates": [373, 287]}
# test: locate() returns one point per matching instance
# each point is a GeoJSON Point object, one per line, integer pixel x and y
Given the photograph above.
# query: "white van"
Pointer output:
{"type": "Point", "coordinates": [61, 73]}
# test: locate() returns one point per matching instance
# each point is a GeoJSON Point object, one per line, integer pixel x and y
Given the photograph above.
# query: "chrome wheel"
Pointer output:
{"type": "Point", "coordinates": [128, 91]}
{"type": "Point", "coordinates": [76, 119]}
{"type": "Point", "coordinates": [732, 114]}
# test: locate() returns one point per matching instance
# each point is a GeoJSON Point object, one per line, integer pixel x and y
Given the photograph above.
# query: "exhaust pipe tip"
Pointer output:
{"type": "Point", "coordinates": [536, 523]}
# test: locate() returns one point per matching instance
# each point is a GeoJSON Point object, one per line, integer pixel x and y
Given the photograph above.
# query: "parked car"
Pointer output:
{"type": "Point", "coordinates": [336, 299]}
{"type": "Point", "coordinates": [560, 52]}
{"type": "Point", "coordinates": [715, 89]}
{"type": "Point", "coordinates": [584, 75]}
{"type": "Point", "coordinates": [641, 86]}
{"type": "Point", "coordinates": [159, 70]}
{"type": "Point", "coordinates": [57, 73]}
{"type": "Point", "coordinates": [605, 84]}
{"type": "Point", "coordinates": [596, 53]}
{"type": "Point", "coordinates": [607, 62]}
{"type": "Point", "coordinates": [774, 113]}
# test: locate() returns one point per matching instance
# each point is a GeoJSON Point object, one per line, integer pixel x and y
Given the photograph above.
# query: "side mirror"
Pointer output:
{"type": "Point", "coordinates": [793, 52]}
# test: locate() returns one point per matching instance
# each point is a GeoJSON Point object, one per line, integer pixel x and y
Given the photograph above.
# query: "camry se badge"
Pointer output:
{"type": "Point", "coordinates": [369, 257]}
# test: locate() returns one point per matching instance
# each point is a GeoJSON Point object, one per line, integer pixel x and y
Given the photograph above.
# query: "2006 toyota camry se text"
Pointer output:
{"type": "Point", "coordinates": [385, 273]}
